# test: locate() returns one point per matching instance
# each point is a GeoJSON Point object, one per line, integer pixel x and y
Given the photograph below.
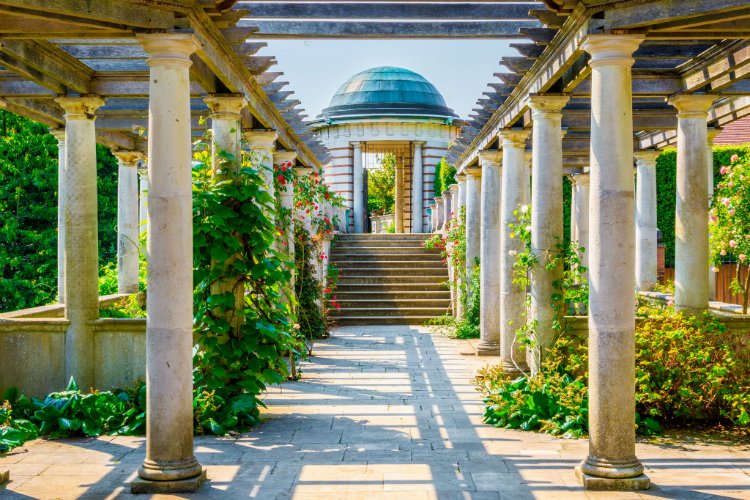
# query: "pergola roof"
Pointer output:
{"type": "Point", "coordinates": [53, 47]}
{"type": "Point", "coordinates": [690, 46]}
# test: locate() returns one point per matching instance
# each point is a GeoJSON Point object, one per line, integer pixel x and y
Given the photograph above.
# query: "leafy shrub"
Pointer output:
{"type": "Point", "coordinates": [468, 326]}
{"type": "Point", "coordinates": [308, 290]}
{"type": "Point", "coordinates": [381, 186]}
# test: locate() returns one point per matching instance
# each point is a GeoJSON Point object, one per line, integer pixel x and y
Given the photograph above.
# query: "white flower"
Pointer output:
{"type": "Point", "coordinates": [524, 209]}
{"type": "Point", "coordinates": [296, 326]}
{"type": "Point", "coordinates": [512, 253]}
{"type": "Point", "coordinates": [528, 229]}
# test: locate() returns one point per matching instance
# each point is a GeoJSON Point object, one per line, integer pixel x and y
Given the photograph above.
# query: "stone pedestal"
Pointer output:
{"type": "Point", "coordinates": [127, 221]}
{"type": "Point", "coordinates": [489, 296]}
{"type": "Point", "coordinates": [432, 210]}
{"type": "Point", "coordinates": [546, 216]}
{"type": "Point", "coordinates": [611, 462]}
{"type": "Point", "coordinates": [59, 134]}
{"type": "Point", "coordinates": [645, 220]}
{"type": "Point", "coordinates": [81, 236]}
{"type": "Point", "coordinates": [473, 217]}
{"type": "Point", "coordinates": [447, 208]}
{"type": "Point", "coordinates": [4, 476]}
{"type": "Point", "coordinates": [358, 189]}
{"type": "Point", "coordinates": [417, 190]}
{"type": "Point", "coordinates": [439, 208]}
{"type": "Point", "coordinates": [512, 297]}
{"type": "Point", "coordinates": [170, 466]}
{"type": "Point", "coordinates": [691, 221]}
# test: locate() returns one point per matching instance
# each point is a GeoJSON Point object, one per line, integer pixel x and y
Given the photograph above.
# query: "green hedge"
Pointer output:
{"type": "Point", "coordinates": [28, 212]}
{"type": "Point", "coordinates": [445, 175]}
{"type": "Point", "coordinates": [666, 189]}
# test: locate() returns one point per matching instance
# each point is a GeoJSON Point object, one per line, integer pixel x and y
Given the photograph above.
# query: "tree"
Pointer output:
{"type": "Point", "coordinates": [381, 186]}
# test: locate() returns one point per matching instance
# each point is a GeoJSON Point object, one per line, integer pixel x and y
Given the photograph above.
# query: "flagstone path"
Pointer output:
{"type": "Point", "coordinates": [381, 412]}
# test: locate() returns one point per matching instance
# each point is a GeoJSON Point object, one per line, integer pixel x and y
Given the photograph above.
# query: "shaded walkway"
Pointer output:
{"type": "Point", "coordinates": [381, 412]}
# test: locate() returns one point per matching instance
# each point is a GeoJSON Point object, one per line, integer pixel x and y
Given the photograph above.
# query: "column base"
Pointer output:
{"type": "Point", "coordinates": [190, 485]}
{"type": "Point", "coordinates": [128, 289]}
{"type": "Point", "coordinates": [487, 349]}
{"type": "Point", "coordinates": [4, 476]}
{"type": "Point", "coordinates": [511, 369]}
{"type": "Point", "coordinates": [595, 483]}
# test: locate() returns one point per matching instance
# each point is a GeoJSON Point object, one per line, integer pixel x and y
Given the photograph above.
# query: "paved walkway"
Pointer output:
{"type": "Point", "coordinates": [385, 412]}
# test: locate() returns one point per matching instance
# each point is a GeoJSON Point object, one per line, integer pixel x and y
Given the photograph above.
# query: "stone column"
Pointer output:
{"type": "Point", "coordinates": [447, 208]}
{"type": "Point", "coordinates": [528, 156]}
{"type": "Point", "coordinates": [580, 215]}
{"type": "Point", "coordinates": [226, 135]}
{"type": "Point", "coordinates": [358, 189]}
{"type": "Point", "coordinates": [611, 463]}
{"type": "Point", "coordinates": [489, 250]}
{"type": "Point", "coordinates": [432, 209]}
{"type": "Point", "coordinates": [512, 298]}
{"type": "Point", "coordinates": [691, 221]}
{"type": "Point", "coordinates": [142, 198]}
{"type": "Point", "coordinates": [453, 197]}
{"type": "Point", "coordinates": [461, 178]}
{"type": "Point", "coordinates": [261, 144]}
{"type": "Point", "coordinates": [473, 217]}
{"type": "Point", "coordinates": [417, 190]}
{"type": "Point", "coordinates": [81, 236]}
{"type": "Point", "coordinates": [59, 134]}
{"type": "Point", "coordinates": [645, 220]}
{"type": "Point", "coordinates": [440, 204]}
{"type": "Point", "coordinates": [546, 216]}
{"type": "Point", "coordinates": [455, 275]}
{"type": "Point", "coordinates": [711, 135]}
{"type": "Point", "coordinates": [170, 465]}
{"type": "Point", "coordinates": [127, 221]}
{"type": "Point", "coordinates": [285, 159]}
{"type": "Point", "coordinates": [399, 196]}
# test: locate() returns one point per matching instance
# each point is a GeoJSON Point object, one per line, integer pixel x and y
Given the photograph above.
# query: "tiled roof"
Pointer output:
{"type": "Point", "coordinates": [736, 132]}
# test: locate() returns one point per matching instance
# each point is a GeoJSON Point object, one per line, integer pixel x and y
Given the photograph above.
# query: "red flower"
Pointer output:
{"type": "Point", "coordinates": [283, 169]}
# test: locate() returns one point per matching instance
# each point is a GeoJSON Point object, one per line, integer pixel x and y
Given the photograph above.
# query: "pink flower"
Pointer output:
{"type": "Point", "coordinates": [723, 252]}
{"type": "Point", "coordinates": [734, 158]}
{"type": "Point", "coordinates": [724, 170]}
{"type": "Point", "coordinates": [742, 257]}
{"type": "Point", "coordinates": [732, 243]}
{"type": "Point", "coordinates": [725, 201]}
{"type": "Point", "coordinates": [730, 211]}
{"type": "Point", "coordinates": [715, 269]}
{"type": "Point", "coordinates": [714, 218]}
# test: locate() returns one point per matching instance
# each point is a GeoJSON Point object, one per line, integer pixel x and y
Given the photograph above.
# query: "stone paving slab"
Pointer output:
{"type": "Point", "coordinates": [381, 413]}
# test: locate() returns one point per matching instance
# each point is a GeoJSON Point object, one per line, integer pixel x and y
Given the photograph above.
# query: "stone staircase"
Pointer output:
{"type": "Point", "coordinates": [388, 279]}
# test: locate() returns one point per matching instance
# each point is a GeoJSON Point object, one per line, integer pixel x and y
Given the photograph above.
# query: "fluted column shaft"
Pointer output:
{"type": "Point", "coordinates": [81, 236]}
{"type": "Point", "coordinates": [645, 220]}
{"type": "Point", "coordinates": [512, 297]}
{"type": "Point", "coordinates": [489, 250]}
{"type": "Point", "coordinates": [546, 217]}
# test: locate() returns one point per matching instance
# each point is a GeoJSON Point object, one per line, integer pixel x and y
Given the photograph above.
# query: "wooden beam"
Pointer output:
{"type": "Point", "coordinates": [529, 50]}
{"type": "Point", "coordinates": [721, 71]}
{"type": "Point", "coordinates": [111, 14]}
{"type": "Point", "coordinates": [390, 29]}
{"type": "Point", "coordinates": [659, 11]}
{"type": "Point", "coordinates": [47, 65]}
{"type": "Point", "coordinates": [392, 10]}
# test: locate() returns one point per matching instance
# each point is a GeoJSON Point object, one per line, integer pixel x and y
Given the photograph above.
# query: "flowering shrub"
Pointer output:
{"type": "Point", "coordinates": [730, 222]}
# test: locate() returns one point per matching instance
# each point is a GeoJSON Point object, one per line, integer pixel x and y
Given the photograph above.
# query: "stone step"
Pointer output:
{"type": "Point", "coordinates": [389, 311]}
{"type": "Point", "coordinates": [382, 320]}
{"type": "Point", "coordinates": [376, 296]}
{"type": "Point", "coordinates": [389, 264]}
{"type": "Point", "coordinates": [378, 243]}
{"type": "Point", "coordinates": [390, 287]}
{"type": "Point", "coordinates": [441, 272]}
{"type": "Point", "coordinates": [391, 280]}
{"type": "Point", "coordinates": [383, 236]}
{"type": "Point", "coordinates": [391, 302]}
{"type": "Point", "coordinates": [385, 257]}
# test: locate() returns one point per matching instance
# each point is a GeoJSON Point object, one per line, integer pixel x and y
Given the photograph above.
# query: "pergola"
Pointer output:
{"type": "Point", "coordinates": [599, 80]}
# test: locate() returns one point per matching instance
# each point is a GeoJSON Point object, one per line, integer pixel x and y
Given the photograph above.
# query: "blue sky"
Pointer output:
{"type": "Point", "coordinates": [460, 69]}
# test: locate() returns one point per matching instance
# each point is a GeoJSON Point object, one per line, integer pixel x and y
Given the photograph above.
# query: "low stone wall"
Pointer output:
{"type": "Point", "coordinates": [32, 353]}
{"type": "Point", "coordinates": [58, 310]}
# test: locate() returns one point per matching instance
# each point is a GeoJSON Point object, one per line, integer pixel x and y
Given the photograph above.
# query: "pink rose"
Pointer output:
{"type": "Point", "coordinates": [723, 252]}
{"type": "Point", "coordinates": [714, 218]}
{"type": "Point", "coordinates": [724, 170]}
{"type": "Point", "coordinates": [732, 243]}
{"type": "Point", "coordinates": [730, 211]}
{"type": "Point", "coordinates": [742, 257]}
{"type": "Point", "coordinates": [725, 202]}
{"type": "Point", "coordinates": [734, 158]}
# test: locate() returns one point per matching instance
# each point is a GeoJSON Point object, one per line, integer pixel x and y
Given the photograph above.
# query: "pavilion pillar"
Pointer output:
{"type": "Point", "coordinates": [580, 216]}
{"type": "Point", "coordinates": [142, 198]}
{"type": "Point", "coordinates": [691, 221]}
{"type": "Point", "coordinates": [528, 156]}
{"type": "Point", "coordinates": [127, 221]}
{"type": "Point", "coordinates": [611, 463]}
{"type": "Point", "coordinates": [226, 132]}
{"type": "Point", "coordinates": [473, 217]}
{"type": "Point", "coordinates": [455, 275]}
{"type": "Point", "coordinates": [285, 159]}
{"type": "Point", "coordinates": [490, 277]}
{"type": "Point", "coordinates": [59, 134]}
{"type": "Point", "coordinates": [447, 208]}
{"type": "Point", "coordinates": [461, 178]}
{"type": "Point", "coordinates": [170, 465]}
{"type": "Point", "coordinates": [711, 135]}
{"type": "Point", "coordinates": [261, 144]}
{"type": "Point", "coordinates": [546, 216]}
{"type": "Point", "coordinates": [399, 196]}
{"type": "Point", "coordinates": [439, 206]}
{"type": "Point", "coordinates": [358, 189]}
{"type": "Point", "coordinates": [81, 236]}
{"type": "Point", "coordinates": [645, 220]}
{"type": "Point", "coordinates": [417, 190]}
{"type": "Point", "coordinates": [512, 297]}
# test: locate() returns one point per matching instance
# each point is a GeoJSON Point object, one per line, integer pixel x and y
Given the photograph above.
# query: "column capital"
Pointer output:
{"type": "Point", "coordinates": [475, 172]}
{"type": "Point", "coordinates": [302, 171]}
{"type": "Point", "coordinates": [260, 139]}
{"type": "Point", "coordinates": [461, 176]}
{"type": "Point", "coordinates": [129, 158]}
{"type": "Point", "coordinates": [541, 104]}
{"type": "Point", "coordinates": [491, 158]}
{"type": "Point", "coordinates": [453, 188]}
{"type": "Point", "coordinates": [711, 134]}
{"type": "Point", "coordinates": [647, 156]}
{"type": "Point", "coordinates": [225, 106]}
{"type": "Point", "coordinates": [692, 105]}
{"type": "Point", "coordinates": [143, 171]}
{"type": "Point", "coordinates": [515, 137]}
{"type": "Point", "coordinates": [165, 49]}
{"type": "Point", "coordinates": [80, 108]}
{"type": "Point", "coordinates": [356, 144]}
{"type": "Point", "coordinates": [284, 156]}
{"type": "Point", "coordinates": [419, 143]}
{"type": "Point", "coordinates": [615, 50]}
{"type": "Point", "coordinates": [58, 133]}
{"type": "Point", "coordinates": [581, 178]}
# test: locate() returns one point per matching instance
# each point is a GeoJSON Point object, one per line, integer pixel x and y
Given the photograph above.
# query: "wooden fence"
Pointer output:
{"type": "Point", "coordinates": [724, 278]}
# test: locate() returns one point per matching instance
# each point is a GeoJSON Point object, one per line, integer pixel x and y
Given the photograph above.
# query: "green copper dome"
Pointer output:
{"type": "Point", "coordinates": [386, 92]}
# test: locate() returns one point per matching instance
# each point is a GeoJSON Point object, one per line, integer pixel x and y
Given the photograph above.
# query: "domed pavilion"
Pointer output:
{"type": "Point", "coordinates": [382, 111]}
